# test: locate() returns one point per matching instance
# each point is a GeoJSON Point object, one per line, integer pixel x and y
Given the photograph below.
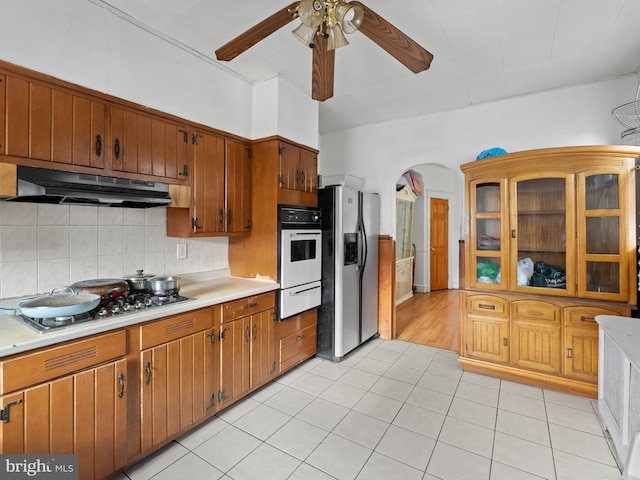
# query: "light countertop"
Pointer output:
{"type": "Point", "coordinates": [203, 290]}
{"type": "Point", "coordinates": [625, 333]}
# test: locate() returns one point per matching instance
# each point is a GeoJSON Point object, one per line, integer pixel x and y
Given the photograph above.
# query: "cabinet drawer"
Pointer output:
{"type": "Point", "coordinates": [298, 346]}
{"type": "Point", "coordinates": [488, 305]}
{"type": "Point", "coordinates": [248, 306]}
{"type": "Point", "coordinates": [172, 328]}
{"type": "Point", "coordinates": [585, 317]}
{"type": "Point", "coordinates": [532, 310]}
{"type": "Point", "coordinates": [31, 369]}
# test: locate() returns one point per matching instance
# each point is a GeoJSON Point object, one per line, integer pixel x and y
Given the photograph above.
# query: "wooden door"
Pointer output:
{"type": "Point", "coordinates": [536, 346]}
{"type": "Point", "coordinates": [309, 171]}
{"type": "Point", "coordinates": [17, 117]}
{"type": "Point", "coordinates": [238, 187]}
{"type": "Point", "coordinates": [262, 348]}
{"type": "Point", "coordinates": [83, 414]}
{"type": "Point", "coordinates": [289, 170]}
{"type": "Point", "coordinates": [208, 184]}
{"type": "Point", "coordinates": [3, 90]}
{"type": "Point", "coordinates": [439, 241]}
{"type": "Point", "coordinates": [235, 351]}
{"type": "Point", "coordinates": [487, 338]}
{"type": "Point", "coordinates": [177, 384]}
{"type": "Point", "coordinates": [170, 146]}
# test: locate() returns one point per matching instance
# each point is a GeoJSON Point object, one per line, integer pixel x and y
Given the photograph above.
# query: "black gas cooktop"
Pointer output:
{"type": "Point", "coordinates": [117, 307]}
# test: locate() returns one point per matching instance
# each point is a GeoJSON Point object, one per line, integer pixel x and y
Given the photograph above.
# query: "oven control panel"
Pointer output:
{"type": "Point", "coordinates": [290, 216]}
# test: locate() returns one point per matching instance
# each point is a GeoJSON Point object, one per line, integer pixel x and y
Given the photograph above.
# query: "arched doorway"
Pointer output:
{"type": "Point", "coordinates": [429, 318]}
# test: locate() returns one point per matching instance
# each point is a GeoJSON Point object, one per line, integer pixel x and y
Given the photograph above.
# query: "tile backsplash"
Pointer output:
{"type": "Point", "coordinates": [44, 246]}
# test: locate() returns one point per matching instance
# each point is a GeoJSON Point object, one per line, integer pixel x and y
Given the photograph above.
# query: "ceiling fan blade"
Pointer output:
{"type": "Point", "coordinates": [322, 70]}
{"type": "Point", "coordinates": [396, 43]}
{"type": "Point", "coordinates": [258, 32]}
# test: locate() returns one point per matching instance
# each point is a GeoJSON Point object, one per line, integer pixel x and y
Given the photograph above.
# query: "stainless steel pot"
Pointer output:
{"type": "Point", "coordinates": [164, 286]}
{"type": "Point", "coordinates": [59, 304]}
{"type": "Point", "coordinates": [107, 288]}
{"type": "Point", "coordinates": [138, 282]}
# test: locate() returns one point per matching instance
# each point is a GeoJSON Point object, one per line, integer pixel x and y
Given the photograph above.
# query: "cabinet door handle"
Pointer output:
{"type": "Point", "coordinates": [121, 382]}
{"type": "Point", "coordinates": [486, 306]}
{"type": "Point", "coordinates": [4, 413]}
{"type": "Point", "coordinates": [116, 149]}
{"type": "Point", "coordinates": [194, 224]}
{"type": "Point", "coordinates": [302, 177]}
{"type": "Point", "coordinates": [147, 367]}
{"type": "Point", "coordinates": [221, 220]}
{"type": "Point", "coordinates": [587, 319]}
{"type": "Point", "coordinates": [513, 234]}
{"type": "Point", "coordinates": [221, 333]}
{"type": "Point", "coordinates": [569, 352]}
{"type": "Point", "coordinates": [98, 145]}
{"type": "Point", "coordinates": [212, 337]}
{"type": "Point", "coordinates": [255, 331]}
{"type": "Point", "coordinates": [247, 333]}
{"type": "Point", "coordinates": [297, 176]}
{"type": "Point", "coordinates": [505, 341]}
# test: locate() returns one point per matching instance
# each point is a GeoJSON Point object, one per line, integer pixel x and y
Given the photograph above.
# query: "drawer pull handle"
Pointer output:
{"type": "Point", "coordinates": [299, 337]}
{"type": "Point", "coordinates": [587, 319]}
{"type": "Point", "coordinates": [534, 313]}
{"type": "Point", "coordinates": [147, 367]}
{"type": "Point", "coordinates": [486, 306]}
{"type": "Point", "coordinates": [251, 305]}
{"type": "Point", "coordinates": [121, 382]}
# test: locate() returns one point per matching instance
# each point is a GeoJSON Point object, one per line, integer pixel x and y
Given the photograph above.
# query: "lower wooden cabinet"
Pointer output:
{"type": "Point", "coordinates": [246, 346]}
{"type": "Point", "coordinates": [549, 343]}
{"type": "Point", "coordinates": [116, 397]}
{"type": "Point", "coordinates": [84, 412]}
{"type": "Point", "coordinates": [178, 375]}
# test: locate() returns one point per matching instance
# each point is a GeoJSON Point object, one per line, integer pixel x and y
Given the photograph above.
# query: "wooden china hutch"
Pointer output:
{"type": "Point", "coordinates": [551, 244]}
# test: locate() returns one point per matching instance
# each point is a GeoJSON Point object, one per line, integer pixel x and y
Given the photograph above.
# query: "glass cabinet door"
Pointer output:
{"type": "Point", "coordinates": [487, 248]}
{"type": "Point", "coordinates": [542, 235]}
{"type": "Point", "coordinates": [602, 235]}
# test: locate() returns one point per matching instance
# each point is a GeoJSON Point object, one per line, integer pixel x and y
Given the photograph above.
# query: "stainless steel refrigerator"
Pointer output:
{"type": "Point", "coordinates": [348, 315]}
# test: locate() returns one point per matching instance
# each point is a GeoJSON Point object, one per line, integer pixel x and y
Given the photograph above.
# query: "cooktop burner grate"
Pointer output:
{"type": "Point", "coordinates": [124, 305]}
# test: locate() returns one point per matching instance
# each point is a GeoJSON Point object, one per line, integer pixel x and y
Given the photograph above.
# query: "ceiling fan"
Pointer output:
{"type": "Point", "coordinates": [322, 28]}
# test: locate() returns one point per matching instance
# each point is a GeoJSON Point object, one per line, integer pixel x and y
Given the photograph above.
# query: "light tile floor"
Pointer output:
{"type": "Point", "coordinates": [392, 410]}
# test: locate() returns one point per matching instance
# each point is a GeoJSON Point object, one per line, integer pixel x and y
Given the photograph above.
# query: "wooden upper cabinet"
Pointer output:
{"type": "Point", "coordinates": [50, 124]}
{"type": "Point", "coordinates": [208, 184]}
{"type": "Point", "coordinates": [238, 186]}
{"type": "Point", "coordinates": [298, 168]}
{"type": "Point", "coordinates": [3, 95]}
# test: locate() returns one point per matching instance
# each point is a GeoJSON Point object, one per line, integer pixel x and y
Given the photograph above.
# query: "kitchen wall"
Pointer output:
{"type": "Point", "coordinates": [44, 246]}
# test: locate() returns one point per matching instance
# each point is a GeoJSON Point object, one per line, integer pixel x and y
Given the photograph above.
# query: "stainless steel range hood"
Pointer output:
{"type": "Point", "coordinates": [41, 185]}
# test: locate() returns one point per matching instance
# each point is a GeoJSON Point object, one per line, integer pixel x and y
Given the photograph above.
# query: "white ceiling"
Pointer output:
{"type": "Point", "coordinates": [483, 50]}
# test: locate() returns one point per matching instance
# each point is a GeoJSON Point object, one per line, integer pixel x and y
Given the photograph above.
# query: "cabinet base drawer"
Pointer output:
{"type": "Point", "coordinates": [31, 369]}
{"type": "Point", "coordinates": [297, 347]}
{"type": "Point", "coordinates": [248, 306]}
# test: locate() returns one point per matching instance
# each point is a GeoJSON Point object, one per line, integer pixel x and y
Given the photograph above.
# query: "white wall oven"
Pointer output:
{"type": "Point", "coordinates": [300, 259]}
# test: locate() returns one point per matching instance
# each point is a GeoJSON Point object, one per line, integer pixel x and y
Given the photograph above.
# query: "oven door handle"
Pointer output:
{"type": "Point", "coordinates": [300, 234]}
{"type": "Point", "coordinates": [291, 294]}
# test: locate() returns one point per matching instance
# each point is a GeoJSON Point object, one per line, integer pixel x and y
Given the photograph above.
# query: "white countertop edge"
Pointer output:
{"type": "Point", "coordinates": [203, 290]}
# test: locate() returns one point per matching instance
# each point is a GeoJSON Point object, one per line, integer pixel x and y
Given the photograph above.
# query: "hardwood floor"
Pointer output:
{"type": "Point", "coordinates": [430, 319]}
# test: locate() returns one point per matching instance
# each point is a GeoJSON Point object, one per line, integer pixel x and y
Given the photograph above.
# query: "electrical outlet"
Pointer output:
{"type": "Point", "coordinates": [181, 251]}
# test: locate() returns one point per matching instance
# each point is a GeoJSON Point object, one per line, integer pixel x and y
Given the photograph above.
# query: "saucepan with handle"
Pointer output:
{"type": "Point", "coordinates": [163, 286]}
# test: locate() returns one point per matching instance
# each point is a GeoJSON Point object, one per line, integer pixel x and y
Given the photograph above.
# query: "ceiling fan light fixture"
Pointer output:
{"type": "Point", "coordinates": [305, 34]}
{"type": "Point", "coordinates": [311, 12]}
{"type": "Point", "coordinates": [336, 37]}
{"type": "Point", "coordinates": [349, 16]}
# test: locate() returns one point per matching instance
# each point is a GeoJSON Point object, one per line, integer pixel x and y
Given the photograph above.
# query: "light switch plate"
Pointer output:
{"type": "Point", "coordinates": [181, 251]}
